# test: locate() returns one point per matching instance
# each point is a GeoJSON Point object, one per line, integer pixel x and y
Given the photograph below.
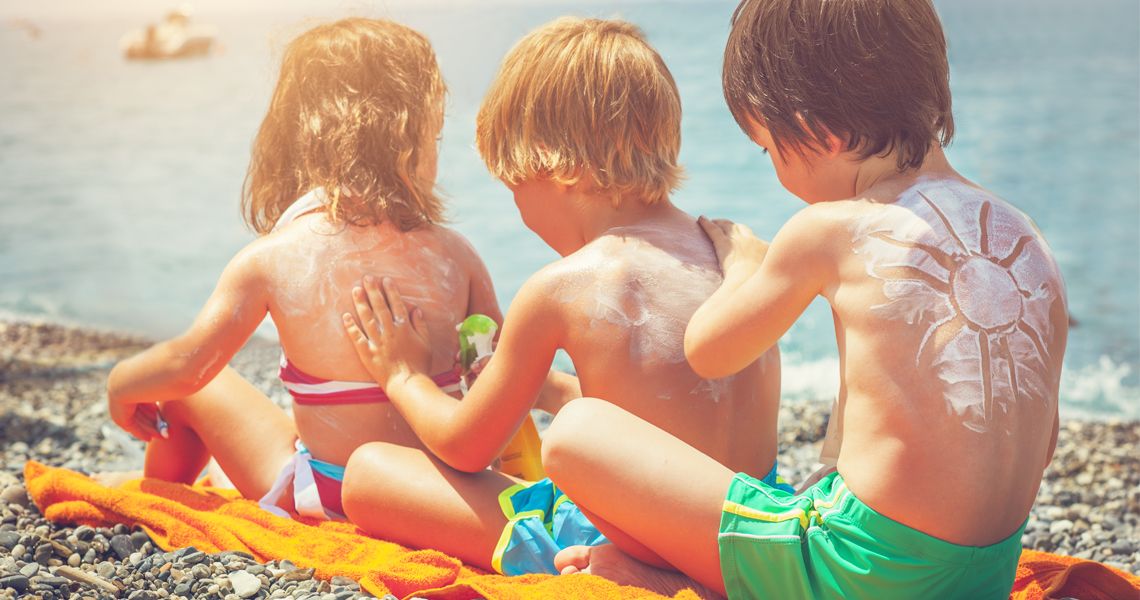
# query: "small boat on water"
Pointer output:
{"type": "Point", "coordinates": [174, 37]}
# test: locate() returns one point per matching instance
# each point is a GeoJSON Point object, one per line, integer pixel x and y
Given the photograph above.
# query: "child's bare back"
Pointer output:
{"type": "Point", "coordinates": [624, 300]}
{"type": "Point", "coordinates": [947, 302]}
{"type": "Point", "coordinates": [310, 266]}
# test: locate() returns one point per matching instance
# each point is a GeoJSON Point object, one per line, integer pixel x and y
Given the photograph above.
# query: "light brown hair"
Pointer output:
{"type": "Point", "coordinates": [356, 103]}
{"type": "Point", "coordinates": [872, 72]}
{"type": "Point", "coordinates": [584, 99]}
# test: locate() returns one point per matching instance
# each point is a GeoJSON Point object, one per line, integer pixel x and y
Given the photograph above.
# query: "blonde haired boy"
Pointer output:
{"type": "Point", "coordinates": [582, 123]}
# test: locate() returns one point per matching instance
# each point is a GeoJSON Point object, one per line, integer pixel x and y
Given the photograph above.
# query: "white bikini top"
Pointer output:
{"type": "Point", "coordinates": [316, 198]}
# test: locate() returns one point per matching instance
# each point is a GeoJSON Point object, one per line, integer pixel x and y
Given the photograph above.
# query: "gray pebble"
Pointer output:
{"type": "Point", "coordinates": [194, 557]}
{"type": "Point", "coordinates": [122, 547]}
{"type": "Point", "coordinates": [9, 539]}
{"type": "Point", "coordinates": [105, 570]}
{"type": "Point", "coordinates": [55, 582]}
{"type": "Point", "coordinates": [15, 494]}
{"type": "Point", "coordinates": [1060, 526]}
{"type": "Point", "coordinates": [84, 533]}
{"type": "Point", "coordinates": [43, 553]}
{"type": "Point", "coordinates": [138, 538]}
{"type": "Point", "coordinates": [30, 570]}
{"type": "Point", "coordinates": [1123, 547]}
{"type": "Point", "coordinates": [16, 582]}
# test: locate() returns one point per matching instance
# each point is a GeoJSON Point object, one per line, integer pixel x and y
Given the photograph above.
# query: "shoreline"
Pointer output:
{"type": "Point", "coordinates": [53, 410]}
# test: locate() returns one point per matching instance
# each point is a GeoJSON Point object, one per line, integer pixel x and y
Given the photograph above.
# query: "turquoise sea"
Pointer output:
{"type": "Point", "coordinates": [120, 181]}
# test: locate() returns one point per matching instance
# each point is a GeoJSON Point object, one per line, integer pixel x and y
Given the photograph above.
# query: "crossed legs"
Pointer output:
{"type": "Point", "coordinates": [637, 478]}
{"type": "Point", "coordinates": [410, 497]}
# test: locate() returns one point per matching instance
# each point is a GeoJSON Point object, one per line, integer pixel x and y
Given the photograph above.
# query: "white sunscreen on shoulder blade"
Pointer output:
{"type": "Point", "coordinates": [980, 281]}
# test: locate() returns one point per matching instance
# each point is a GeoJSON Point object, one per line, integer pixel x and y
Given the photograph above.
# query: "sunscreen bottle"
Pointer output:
{"type": "Point", "coordinates": [522, 457]}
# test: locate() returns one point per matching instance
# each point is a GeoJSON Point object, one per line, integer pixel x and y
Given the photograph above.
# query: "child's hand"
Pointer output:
{"type": "Point", "coordinates": [139, 420]}
{"type": "Point", "coordinates": [391, 345]}
{"type": "Point", "coordinates": [740, 252]}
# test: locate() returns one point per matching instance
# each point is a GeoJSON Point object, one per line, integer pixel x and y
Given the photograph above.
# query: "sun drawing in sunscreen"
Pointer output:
{"type": "Point", "coordinates": [980, 277]}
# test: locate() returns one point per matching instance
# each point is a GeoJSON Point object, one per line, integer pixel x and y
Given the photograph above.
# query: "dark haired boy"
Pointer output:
{"type": "Point", "coordinates": [950, 319]}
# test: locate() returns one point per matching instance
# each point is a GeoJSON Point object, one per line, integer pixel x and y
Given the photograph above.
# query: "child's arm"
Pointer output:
{"type": "Point", "coordinates": [766, 287]}
{"type": "Point", "coordinates": [177, 368]}
{"type": "Point", "coordinates": [467, 435]}
{"type": "Point", "coordinates": [559, 387]}
{"type": "Point", "coordinates": [481, 298]}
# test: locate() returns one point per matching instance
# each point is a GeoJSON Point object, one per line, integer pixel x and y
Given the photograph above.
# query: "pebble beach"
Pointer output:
{"type": "Point", "coordinates": [53, 410]}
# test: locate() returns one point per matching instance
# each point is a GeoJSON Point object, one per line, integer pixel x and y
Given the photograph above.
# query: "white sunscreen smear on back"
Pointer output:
{"type": "Point", "coordinates": [974, 274]}
{"type": "Point", "coordinates": [647, 292]}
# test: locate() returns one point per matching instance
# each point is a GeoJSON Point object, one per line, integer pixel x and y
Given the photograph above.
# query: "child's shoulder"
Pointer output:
{"type": "Point", "coordinates": [605, 258]}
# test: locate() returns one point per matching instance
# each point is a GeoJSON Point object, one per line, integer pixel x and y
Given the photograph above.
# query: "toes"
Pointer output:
{"type": "Point", "coordinates": [572, 559]}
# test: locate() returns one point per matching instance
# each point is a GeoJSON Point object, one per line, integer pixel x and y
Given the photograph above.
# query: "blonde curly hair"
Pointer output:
{"type": "Point", "coordinates": [356, 104]}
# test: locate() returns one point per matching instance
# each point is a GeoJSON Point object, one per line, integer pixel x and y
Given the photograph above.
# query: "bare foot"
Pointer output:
{"type": "Point", "coordinates": [115, 478]}
{"type": "Point", "coordinates": [611, 563]}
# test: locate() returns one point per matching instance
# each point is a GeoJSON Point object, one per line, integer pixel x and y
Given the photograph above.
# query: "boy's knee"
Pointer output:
{"type": "Point", "coordinates": [570, 428]}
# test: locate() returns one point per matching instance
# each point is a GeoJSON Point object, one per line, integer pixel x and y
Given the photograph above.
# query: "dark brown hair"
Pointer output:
{"type": "Point", "coordinates": [355, 105]}
{"type": "Point", "coordinates": [872, 72]}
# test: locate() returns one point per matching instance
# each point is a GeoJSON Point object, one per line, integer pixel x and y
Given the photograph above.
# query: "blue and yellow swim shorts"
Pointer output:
{"type": "Point", "coordinates": [541, 521]}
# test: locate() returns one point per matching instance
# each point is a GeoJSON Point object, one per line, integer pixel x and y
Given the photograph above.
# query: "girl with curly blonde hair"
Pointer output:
{"type": "Point", "coordinates": [340, 186]}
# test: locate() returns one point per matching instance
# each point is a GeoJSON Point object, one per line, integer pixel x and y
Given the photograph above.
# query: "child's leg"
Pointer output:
{"type": "Point", "coordinates": [404, 495]}
{"type": "Point", "coordinates": [250, 437]}
{"type": "Point", "coordinates": [623, 540]}
{"type": "Point", "coordinates": [653, 487]}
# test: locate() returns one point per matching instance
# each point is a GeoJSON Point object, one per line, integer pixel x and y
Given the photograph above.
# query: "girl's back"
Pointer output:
{"type": "Point", "coordinates": [340, 186]}
{"type": "Point", "coordinates": [310, 268]}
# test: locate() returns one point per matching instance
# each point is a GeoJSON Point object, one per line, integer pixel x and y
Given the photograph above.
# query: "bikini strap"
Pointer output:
{"type": "Point", "coordinates": [316, 198]}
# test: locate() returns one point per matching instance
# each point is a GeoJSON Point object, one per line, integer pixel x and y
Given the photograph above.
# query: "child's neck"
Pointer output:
{"type": "Point", "coordinates": [597, 215]}
{"type": "Point", "coordinates": [883, 170]}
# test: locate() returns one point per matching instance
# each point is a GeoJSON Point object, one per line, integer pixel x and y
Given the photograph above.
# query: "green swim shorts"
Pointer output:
{"type": "Point", "coordinates": [825, 543]}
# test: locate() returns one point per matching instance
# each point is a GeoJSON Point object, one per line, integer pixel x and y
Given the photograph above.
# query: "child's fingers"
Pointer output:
{"type": "Point", "coordinates": [369, 324]}
{"type": "Point", "coordinates": [418, 323]}
{"type": "Point", "coordinates": [395, 302]}
{"type": "Point", "coordinates": [713, 229]}
{"type": "Point", "coordinates": [355, 335]}
{"type": "Point", "coordinates": [379, 304]}
{"type": "Point", "coordinates": [720, 241]}
{"type": "Point", "coordinates": [741, 231]}
{"type": "Point", "coordinates": [143, 426]}
{"type": "Point", "coordinates": [724, 224]}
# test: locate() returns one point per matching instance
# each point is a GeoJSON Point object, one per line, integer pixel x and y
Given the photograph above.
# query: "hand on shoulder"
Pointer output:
{"type": "Point", "coordinates": [738, 250]}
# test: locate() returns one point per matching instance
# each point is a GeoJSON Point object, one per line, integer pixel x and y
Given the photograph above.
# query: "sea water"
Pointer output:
{"type": "Point", "coordinates": [120, 181]}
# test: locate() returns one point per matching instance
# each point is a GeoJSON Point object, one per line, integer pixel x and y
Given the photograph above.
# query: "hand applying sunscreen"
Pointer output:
{"type": "Point", "coordinates": [522, 456]}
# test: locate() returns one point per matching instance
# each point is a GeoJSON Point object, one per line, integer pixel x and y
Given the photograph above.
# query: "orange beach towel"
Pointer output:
{"type": "Point", "coordinates": [1041, 575]}
{"type": "Point", "coordinates": [212, 520]}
